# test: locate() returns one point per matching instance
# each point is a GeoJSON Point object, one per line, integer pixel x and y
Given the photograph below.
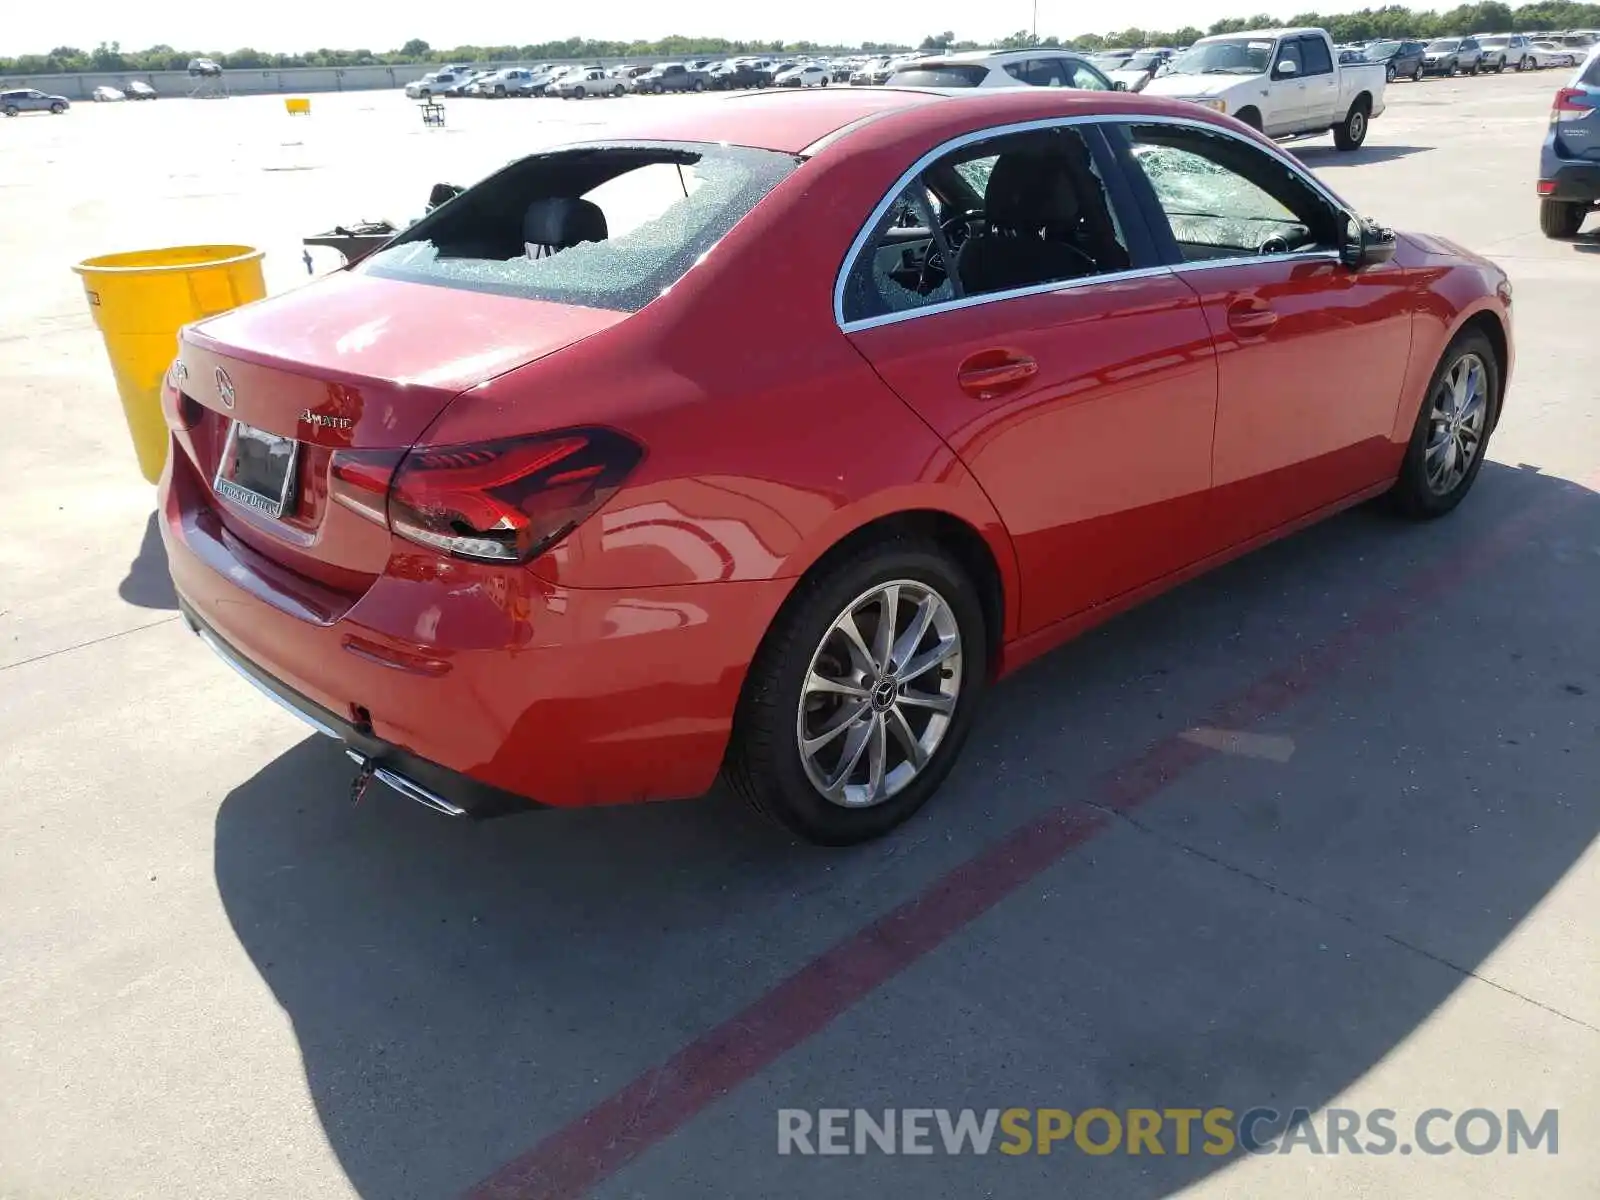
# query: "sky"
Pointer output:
{"type": "Point", "coordinates": [31, 27]}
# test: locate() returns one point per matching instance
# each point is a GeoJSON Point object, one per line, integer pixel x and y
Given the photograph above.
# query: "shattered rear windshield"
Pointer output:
{"type": "Point", "coordinates": [598, 226]}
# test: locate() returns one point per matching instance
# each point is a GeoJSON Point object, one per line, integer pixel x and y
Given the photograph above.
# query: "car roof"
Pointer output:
{"type": "Point", "coordinates": [983, 56]}
{"type": "Point", "coordinates": [770, 120]}
{"type": "Point", "coordinates": [794, 122]}
{"type": "Point", "coordinates": [1292, 31]}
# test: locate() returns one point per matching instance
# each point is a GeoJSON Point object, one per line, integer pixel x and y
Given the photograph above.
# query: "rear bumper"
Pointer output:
{"type": "Point", "coordinates": [484, 684]}
{"type": "Point", "coordinates": [1577, 182]}
{"type": "Point", "coordinates": [426, 782]}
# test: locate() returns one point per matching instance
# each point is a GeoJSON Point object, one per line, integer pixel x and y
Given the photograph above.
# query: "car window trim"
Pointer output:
{"type": "Point", "coordinates": [1103, 123]}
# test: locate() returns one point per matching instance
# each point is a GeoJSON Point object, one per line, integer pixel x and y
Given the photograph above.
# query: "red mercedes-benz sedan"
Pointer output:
{"type": "Point", "coordinates": [761, 436]}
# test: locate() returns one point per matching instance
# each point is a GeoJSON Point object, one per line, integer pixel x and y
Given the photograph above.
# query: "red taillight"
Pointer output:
{"type": "Point", "coordinates": [1571, 104]}
{"type": "Point", "coordinates": [500, 501]}
{"type": "Point", "coordinates": [359, 480]}
{"type": "Point", "coordinates": [1546, 187]}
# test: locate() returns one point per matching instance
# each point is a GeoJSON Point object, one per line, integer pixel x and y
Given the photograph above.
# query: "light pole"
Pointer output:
{"type": "Point", "coordinates": [1035, 22]}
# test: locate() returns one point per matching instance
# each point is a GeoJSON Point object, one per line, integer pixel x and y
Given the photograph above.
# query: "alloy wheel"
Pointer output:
{"type": "Point", "coordinates": [1456, 421]}
{"type": "Point", "coordinates": [879, 694]}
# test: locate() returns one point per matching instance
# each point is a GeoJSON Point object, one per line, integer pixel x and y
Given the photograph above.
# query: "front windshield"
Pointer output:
{"type": "Point", "coordinates": [1444, 44]}
{"type": "Point", "coordinates": [1235, 56]}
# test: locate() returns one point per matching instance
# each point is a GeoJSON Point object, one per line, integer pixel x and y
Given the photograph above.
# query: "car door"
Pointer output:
{"type": "Point", "coordinates": [1311, 355]}
{"type": "Point", "coordinates": [1321, 94]}
{"type": "Point", "coordinates": [1288, 105]}
{"type": "Point", "coordinates": [1082, 399]}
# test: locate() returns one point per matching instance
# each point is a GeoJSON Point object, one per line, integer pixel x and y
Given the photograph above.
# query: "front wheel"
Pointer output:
{"type": "Point", "coordinates": [58, 108]}
{"type": "Point", "coordinates": [1250, 117]}
{"type": "Point", "coordinates": [1353, 131]}
{"type": "Point", "coordinates": [862, 693]}
{"type": "Point", "coordinates": [1452, 430]}
{"type": "Point", "coordinates": [1522, 65]}
{"type": "Point", "coordinates": [699, 85]}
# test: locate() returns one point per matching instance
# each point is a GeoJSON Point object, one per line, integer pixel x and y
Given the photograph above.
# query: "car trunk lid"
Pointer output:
{"type": "Point", "coordinates": [353, 362]}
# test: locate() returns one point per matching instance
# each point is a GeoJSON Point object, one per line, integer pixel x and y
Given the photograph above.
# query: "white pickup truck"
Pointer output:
{"type": "Point", "coordinates": [1284, 82]}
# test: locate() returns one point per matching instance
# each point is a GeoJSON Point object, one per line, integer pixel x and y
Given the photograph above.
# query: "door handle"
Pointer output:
{"type": "Point", "coordinates": [992, 373]}
{"type": "Point", "coordinates": [1251, 316]}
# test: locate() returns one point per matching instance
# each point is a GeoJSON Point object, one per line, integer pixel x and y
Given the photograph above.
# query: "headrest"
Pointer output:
{"type": "Point", "coordinates": [1029, 191]}
{"type": "Point", "coordinates": [562, 221]}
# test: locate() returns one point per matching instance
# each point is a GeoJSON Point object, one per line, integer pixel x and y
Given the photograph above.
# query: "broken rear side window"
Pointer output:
{"type": "Point", "coordinates": [601, 226]}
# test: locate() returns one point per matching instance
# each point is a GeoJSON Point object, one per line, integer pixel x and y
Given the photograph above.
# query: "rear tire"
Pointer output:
{"type": "Point", "coordinates": [765, 762]}
{"type": "Point", "coordinates": [1353, 131]}
{"type": "Point", "coordinates": [1251, 117]}
{"type": "Point", "coordinates": [1389, 73]}
{"type": "Point", "coordinates": [1413, 495]}
{"type": "Point", "coordinates": [58, 108]}
{"type": "Point", "coordinates": [1560, 218]}
{"type": "Point", "coordinates": [699, 85]}
{"type": "Point", "coordinates": [1416, 76]}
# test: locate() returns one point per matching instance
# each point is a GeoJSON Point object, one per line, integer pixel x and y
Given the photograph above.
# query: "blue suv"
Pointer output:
{"type": "Point", "coordinates": [1569, 164]}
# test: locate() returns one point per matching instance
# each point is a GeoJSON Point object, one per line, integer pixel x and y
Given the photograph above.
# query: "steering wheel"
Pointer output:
{"type": "Point", "coordinates": [955, 230]}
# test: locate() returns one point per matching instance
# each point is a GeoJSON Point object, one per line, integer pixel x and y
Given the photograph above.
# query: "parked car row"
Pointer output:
{"type": "Point", "coordinates": [1471, 55]}
{"type": "Point", "coordinates": [694, 75]}
{"type": "Point", "coordinates": [137, 90]}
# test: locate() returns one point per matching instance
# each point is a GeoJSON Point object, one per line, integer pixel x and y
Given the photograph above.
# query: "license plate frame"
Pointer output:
{"type": "Point", "coordinates": [269, 488]}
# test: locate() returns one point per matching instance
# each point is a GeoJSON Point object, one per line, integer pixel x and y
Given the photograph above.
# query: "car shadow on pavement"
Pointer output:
{"type": "Point", "coordinates": [461, 991]}
{"type": "Point", "coordinates": [1331, 156]}
{"type": "Point", "coordinates": [148, 582]}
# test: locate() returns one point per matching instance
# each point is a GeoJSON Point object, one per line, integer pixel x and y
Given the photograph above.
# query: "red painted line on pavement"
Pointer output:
{"type": "Point", "coordinates": [666, 1097]}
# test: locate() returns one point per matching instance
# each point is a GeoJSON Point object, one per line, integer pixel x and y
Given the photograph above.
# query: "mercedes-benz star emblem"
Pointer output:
{"type": "Point", "coordinates": [224, 388]}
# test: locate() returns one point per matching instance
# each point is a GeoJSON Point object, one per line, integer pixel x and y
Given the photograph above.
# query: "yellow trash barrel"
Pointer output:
{"type": "Point", "coordinates": [140, 300]}
{"type": "Point", "coordinates": [297, 105]}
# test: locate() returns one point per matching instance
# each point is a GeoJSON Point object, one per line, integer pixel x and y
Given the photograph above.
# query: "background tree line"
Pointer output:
{"type": "Point", "coordinates": [1391, 21]}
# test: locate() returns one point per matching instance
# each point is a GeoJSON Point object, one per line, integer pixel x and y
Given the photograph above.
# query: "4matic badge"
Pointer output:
{"type": "Point", "coordinates": [321, 421]}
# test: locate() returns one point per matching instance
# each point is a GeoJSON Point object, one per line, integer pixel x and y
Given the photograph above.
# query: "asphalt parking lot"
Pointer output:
{"type": "Point", "coordinates": [1318, 830]}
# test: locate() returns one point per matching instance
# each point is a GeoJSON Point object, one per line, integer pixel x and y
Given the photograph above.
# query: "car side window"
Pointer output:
{"type": "Point", "coordinates": [1314, 55]}
{"type": "Point", "coordinates": [1224, 198]}
{"type": "Point", "coordinates": [1043, 216]}
{"type": "Point", "coordinates": [1289, 52]}
{"type": "Point", "coordinates": [1085, 78]}
{"type": "Point", "coordinates": [1045, 72]}
{"type": "Point", "coordinates": [899, 266]}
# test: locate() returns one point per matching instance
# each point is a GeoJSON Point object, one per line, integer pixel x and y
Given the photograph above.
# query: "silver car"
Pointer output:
{"type": "Point", "coordinates": [28, 100]}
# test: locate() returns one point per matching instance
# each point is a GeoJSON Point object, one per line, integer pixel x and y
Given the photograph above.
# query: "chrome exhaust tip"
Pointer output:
{"type": "Point", "coordinates": [409, 788]}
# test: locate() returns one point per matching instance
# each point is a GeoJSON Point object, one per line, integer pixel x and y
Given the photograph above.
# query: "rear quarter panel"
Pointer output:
{"type": "Point", "coordinates": [768, 438]}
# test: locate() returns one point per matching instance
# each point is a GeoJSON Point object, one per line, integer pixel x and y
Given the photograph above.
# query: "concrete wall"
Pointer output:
{"type": "Point", "coordinates": [292, 80]}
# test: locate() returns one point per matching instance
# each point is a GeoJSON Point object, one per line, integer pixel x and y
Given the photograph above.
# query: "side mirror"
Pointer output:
{"type": "Point", "coordinates": [1120, 85]}
{"type": "Point", "coordinates": [1365, 243]}
{"type": "Point", "coordinates": [1287, 69]}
